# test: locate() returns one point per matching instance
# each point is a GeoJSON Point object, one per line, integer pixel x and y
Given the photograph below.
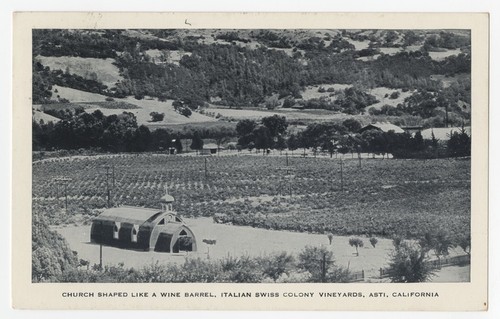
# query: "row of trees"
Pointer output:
{"type": "Point", "coordinates": [120, 133]}
{"type": "Point", "coordinates": [117, 133]}
{"type": "Point", "coordinates": [343, 138]}
{"type": "Point", "coordinates": [113, 133]}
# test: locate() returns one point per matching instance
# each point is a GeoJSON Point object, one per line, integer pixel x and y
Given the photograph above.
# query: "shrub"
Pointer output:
{"type": "Point", "coordinates": [157, 117]}
{"type": "Point", "coordinates": [394, 95]}
{"type": "Point", "coordinates": [408, 263]}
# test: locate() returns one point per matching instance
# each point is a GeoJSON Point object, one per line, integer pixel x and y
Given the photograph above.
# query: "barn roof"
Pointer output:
{"type": "Point", "coordinates": [129, 214]}
{"type": "Point", "coordinates": [443, 133]}
{"type": "Point", "coordinates": [384, 127]}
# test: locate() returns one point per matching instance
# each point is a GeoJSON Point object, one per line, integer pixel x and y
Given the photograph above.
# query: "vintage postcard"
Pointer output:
{"type": "Point", "coordinates": [250, 161]}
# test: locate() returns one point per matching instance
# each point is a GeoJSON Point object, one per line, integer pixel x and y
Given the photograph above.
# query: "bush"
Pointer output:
{"type": "Point", "coordinates": [157, 117]}
{"type": "Point", "coordinates": [409, 263]}
{"type": "Point", "coordinates": [394, 95]}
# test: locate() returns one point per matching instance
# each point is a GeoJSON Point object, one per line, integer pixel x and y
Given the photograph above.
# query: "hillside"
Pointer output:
{"type": "Point", "coordinates": [102, 70]}
{"type": "Point", "coordinates": [344, 72]}
{"type": "Point", "coordinates": [142, 111]}
{"type": "Point", "coordinates": [42, 117]}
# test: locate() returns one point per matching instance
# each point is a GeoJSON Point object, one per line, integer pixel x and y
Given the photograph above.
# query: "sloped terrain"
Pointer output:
{"type": "Point", "coordinates": [142, 112]}
{"type": "Point", "coordinates": [102, 70]}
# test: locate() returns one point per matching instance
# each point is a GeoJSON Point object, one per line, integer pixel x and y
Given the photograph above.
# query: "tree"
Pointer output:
{"type": "Point", "coordinates": [157, 117]}
{"type": "Point", "coordinates": [459, 143]}
{"type": "Point", "coordinates": [222, 135]}
{"type": "Point", "coordinates": [263, 139]}
{"type": "Point", "coordinates": [276, 124]}
{"type": "Point", "coordinates": [442, 245]}
{"type": "Point", "coordinates": [280, 143]}
{"type": "Point", "coordinates": [352, 125]}
{"type": "Point", "coordinates": [244, 131]}
{"type": "Point", "coordinates": [276, 265]}
{"type": "Point", "coordinates": [178, 145]}
{"type": "Point", "coordinates": [319, 263]}
{"type": "Point", "coordinates": [141, 139]}
{"type": "Point", "coordinates": [197, 143]}
{"type": "Point", "coordinates": [418, 142]}
{"type": "Point", "coordinates": [356, 242]}
{"type": "Point", "coordinates": [293, 143]}
{"type": "Point", "coordinates": [464, 243]}
{"type": "Point", "coordinates": [330, 237]}
{"type": "Point", "coordinates": [373, 241]}
{"type": "Point", "coordinates": [409, 263]}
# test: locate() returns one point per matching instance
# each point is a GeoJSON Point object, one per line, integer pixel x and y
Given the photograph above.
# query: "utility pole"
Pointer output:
{"type": "Point", "coordinates": [341, 174]}
{"type": "Point", "coordinates": [323, 268]}
{"type": "Point", "coordinates": [113, 176]}
{"type": "Point", "coordinates": [446, 116]}
{"type": "Point", "coordinates": [108, 190]}
{"type": "Point", "coordinates": [64, 182]}
{"type": "Point", "coordinates": [100, 255]}
{"type": "Point", "coordinates": [206, 172]}
{"type": "Point", "coordinates": [359, 156]}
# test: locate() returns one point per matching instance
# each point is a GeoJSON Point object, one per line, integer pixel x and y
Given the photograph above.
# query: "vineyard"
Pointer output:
{"type": "Point", "coordinates": [383, 197]}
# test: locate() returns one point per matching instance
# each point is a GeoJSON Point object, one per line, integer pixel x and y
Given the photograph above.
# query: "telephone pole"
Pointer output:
{"type": "Point", "coordinates": [64, 181]}
{"type": "Point", "coordinates": [206, 171]}
{"type": "Point", "coordinates": [108, 188]}
{"type": "Point", "coordinates": [341, 174]}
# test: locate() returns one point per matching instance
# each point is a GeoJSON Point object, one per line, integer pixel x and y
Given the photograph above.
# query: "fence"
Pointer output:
{"type": "Point", "coordinates": [438, 263]}
{"type": "Point", "coordinates": [357, 276]}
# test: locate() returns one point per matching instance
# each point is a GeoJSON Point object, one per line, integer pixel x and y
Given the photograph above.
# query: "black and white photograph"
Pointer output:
{"type": "Point", "coordinates": [252, 161]}
{"type": "Point", "coordinates": [251, 155]}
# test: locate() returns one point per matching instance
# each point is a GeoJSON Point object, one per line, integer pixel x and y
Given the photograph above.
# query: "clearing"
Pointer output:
{"type": "Point", "coordinates": [290, 114]}
{"type": "Point", "coordinates": [441, 55]}
{"type": "Point", "coordinates": [102, 70]}
{"type": "Point", "coordinates": [381, 92]}
{"type": "Point", "coordinates": [239, 241]}
{"type": "Point", "coordinates": [145, 107]}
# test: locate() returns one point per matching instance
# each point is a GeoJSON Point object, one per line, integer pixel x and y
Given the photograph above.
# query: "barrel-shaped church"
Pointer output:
{"type": "Point", "coordinates": [144, 228]}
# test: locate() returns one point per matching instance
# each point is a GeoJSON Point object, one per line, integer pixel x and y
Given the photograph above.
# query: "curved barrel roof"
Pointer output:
{"type": "Point", "coordinates": [129, 214]}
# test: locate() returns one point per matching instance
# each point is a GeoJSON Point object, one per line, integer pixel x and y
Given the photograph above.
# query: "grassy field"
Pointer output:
{"type": "Point", "coordinates": [441, 55]}
{"type": "Point", "coordinates": [383, 96]}
{"type": "Point", "coordinates": [142, 109]}
{"type": "Point", "coordinates": [102, 70]}
{"type": "Point", "coordinates": [290, 114]}
{"type": "Point", "coordinates": [383, 197]}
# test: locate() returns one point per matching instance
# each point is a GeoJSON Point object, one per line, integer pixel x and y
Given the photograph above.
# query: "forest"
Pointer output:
{"type": "Point", "coordinates": [238, 75]}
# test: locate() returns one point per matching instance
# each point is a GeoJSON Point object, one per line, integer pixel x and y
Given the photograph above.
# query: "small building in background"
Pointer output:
{"type": "Point", "coordinates": [144, 228]}
{"type": "Point", "coordinates": [210, 149]}
{"type": "Point", "coordinates": [383, 127]}
{"type": "Point", "coordinates": [412, 129]}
